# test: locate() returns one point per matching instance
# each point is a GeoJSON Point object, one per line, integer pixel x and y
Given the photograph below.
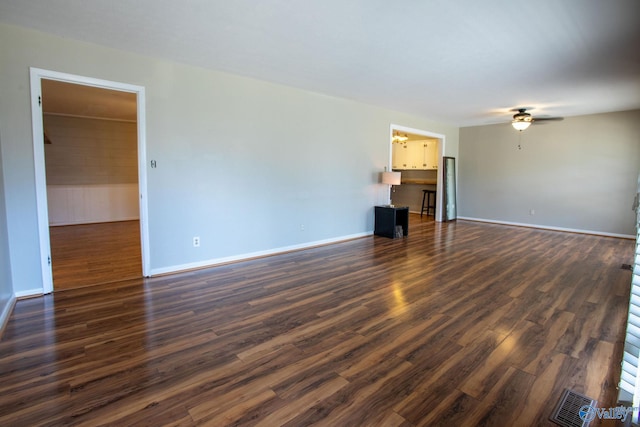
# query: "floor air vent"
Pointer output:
{"type": "Point", "coordinates": [570, 411]}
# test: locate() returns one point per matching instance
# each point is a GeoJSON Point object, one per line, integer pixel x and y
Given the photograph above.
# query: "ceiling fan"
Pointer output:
{"type": "Point", "coordinates": [522, 119]}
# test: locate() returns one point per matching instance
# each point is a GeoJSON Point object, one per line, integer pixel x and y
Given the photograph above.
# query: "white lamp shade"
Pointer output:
{"type": "Point", "coordinates": [391, 178]}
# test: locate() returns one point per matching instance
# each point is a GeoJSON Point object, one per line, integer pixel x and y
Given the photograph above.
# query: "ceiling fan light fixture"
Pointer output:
{"type": "Point", "coordinates": [399, 138]}
{"type": "Point", "coordinates": [521, 120]}
{"type": "Point", "coordinates": [521, 124]}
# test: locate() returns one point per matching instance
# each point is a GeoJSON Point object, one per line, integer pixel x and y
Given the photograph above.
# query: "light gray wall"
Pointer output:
{"type": "Point", "coordinates": [6, 287]}
{"type": "Point", "coordinates": [241, 163]}
{"type": "Point", "coordinates": [577, 174]}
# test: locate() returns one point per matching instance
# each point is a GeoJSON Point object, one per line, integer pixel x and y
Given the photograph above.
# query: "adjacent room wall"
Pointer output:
{"type": "Point", "coordinates": [411, 194]}
{"type": "Point", "coordinates": [92, 170]}
{"type": "Point", "coordinates": [577, 174]}
{"type": "Point", "coordinates": [86, 151]}
{"type": "Point", "coordinates": [247, 166]}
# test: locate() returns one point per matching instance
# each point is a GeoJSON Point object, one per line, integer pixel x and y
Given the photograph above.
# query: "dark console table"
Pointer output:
{"type": "Point", "coordinates": [388, 217]}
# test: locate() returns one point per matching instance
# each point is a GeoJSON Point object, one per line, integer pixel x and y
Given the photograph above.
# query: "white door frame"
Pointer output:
{"type": "Point", "coordinates": [36, 76]}
{"type": "Point", "coordinates": [440, 154]}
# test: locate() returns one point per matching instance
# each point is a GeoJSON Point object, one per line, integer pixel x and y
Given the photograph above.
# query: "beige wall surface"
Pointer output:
{"type": "Point", "coordinates": [90, 151]}
{"type": "Point", "coordinates": [241, 163]}
{"type": "Point", "coordinates": [577, 174]}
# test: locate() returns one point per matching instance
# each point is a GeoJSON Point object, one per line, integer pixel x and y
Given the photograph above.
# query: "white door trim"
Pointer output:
{"type": "Point", "coordinates": [441, 144]}
{"type": "Point", "coordinates": [36, 76]}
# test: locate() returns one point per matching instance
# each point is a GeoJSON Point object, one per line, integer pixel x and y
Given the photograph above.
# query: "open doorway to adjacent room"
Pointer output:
{"type": "Point", "coordinates": [417, 155]}
{"type": "Point", "coordinates": [91, 173]}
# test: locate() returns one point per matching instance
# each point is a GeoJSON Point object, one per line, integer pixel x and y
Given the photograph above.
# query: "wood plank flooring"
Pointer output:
{"type": "Point", "coordinates": [91, 254]}
{"type": "Point", "coordinates": [459, 324]}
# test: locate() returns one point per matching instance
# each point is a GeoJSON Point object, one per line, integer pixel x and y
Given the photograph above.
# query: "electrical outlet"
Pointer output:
{"type": "Point", "coordinates": [301, 227]}
{"type": "Point", "coordinates": [532, 212]}
{"type": "Point", "coordinates": [196, 242]}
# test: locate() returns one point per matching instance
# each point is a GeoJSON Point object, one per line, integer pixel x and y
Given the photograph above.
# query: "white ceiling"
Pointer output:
{"type": "Point", "coordinates": [463, 62]}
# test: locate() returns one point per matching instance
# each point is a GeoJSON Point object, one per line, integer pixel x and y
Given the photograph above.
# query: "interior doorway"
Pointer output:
{"type": "Point", "coordinates": [414, 179]}
{"type": "Point", "coordinates": [89, 156]}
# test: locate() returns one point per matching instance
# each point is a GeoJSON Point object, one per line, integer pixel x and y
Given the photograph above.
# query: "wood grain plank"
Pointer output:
{"type": "Point", "coordinates": [91, 254]}
{"type": "Point", "coordinates": [461, 323]}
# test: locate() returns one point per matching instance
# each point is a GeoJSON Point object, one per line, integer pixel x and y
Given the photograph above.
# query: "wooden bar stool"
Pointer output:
{"type": "Point", "coordinates": [426, 197]}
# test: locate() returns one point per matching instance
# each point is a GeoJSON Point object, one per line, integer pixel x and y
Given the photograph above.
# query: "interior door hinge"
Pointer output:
{"type": "Point", "coordinates": [39, 101]}
{"type": "Point", "coordinates": [49, 260]}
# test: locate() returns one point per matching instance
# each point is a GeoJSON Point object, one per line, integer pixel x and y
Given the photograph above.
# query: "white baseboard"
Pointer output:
{"type": "Point", "coordinates": [549, 227]}
{"type": "Point", "coordinates": [251, 255]}
{"type": "Point", "coordinates": [6, 313]}
{"type": "Point", "coordinates": [29, 293]}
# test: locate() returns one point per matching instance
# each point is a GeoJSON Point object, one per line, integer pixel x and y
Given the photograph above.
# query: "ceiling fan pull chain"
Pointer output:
{"type": "Point", "coordinates": [519, 140]}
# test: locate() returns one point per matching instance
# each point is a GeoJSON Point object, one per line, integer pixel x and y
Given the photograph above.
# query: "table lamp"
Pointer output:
{"type": "Point", "coordinates": [391, 179]}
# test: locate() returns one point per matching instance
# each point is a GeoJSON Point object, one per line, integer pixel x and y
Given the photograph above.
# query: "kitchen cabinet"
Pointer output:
{"type": "Point", "coordinates": [430, 153]}
{"type": "Point", "coordinates": [399, 155]}
{"type": "Point", "coordinates": [415, 155]}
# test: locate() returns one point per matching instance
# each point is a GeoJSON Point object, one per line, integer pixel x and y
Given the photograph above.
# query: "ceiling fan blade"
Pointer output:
{"type": "Point", "coordinates": [547, 119]}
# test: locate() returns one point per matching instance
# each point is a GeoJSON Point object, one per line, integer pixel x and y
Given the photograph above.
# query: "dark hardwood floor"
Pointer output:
{"type": "Point", "coordinates": [93, 254]}
{"type": "Point", "coordinates": [460, 324]}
